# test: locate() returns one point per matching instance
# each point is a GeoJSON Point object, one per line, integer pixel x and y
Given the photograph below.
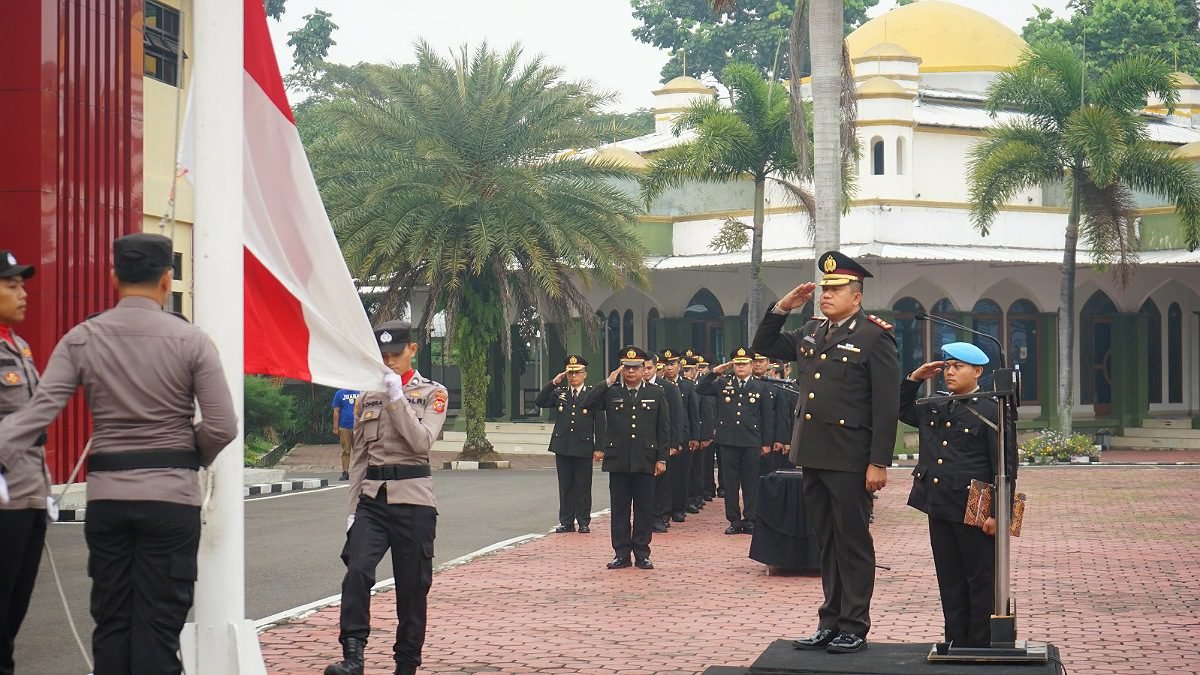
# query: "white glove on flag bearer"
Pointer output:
{"type": "Point", "coordinates": [3, 490]}
{"type": "Point", "coordinates": [395, 385]}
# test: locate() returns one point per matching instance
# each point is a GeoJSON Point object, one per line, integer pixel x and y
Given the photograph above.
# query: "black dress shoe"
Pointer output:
{"type": "Point", "coordinates": [660, 528]}
{"type": "Point", "coordinates": [708, 498]}
{"type": "Point", "coordinates": [747, 528]}
{"type": "Point", "coordinates": [733, 529]}
{"type": "Point", "coordinates": [644, 564]}
{"type": "Point", "coordinates": [585, 529]}
{"type": "Point", "coordinates": [846, 643]}
{"type": "Point", "coordinates": [678, 517]}
{"type": "Point", "coordinates": [721, 493]}
{"type": "Point", "coordinates": [619, 562]}
{"type": "Point", "coordinates": [563, 528]}
{"type": "Point", "coordinates": [818, 640]}
{"type": "Point", "coordinates": [693, 509]}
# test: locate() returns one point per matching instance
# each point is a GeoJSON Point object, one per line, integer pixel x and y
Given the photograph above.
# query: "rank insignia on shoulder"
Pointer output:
{"type": "Point", "coordinates": [26, 352]}
{"type": "Point", "coordinates": [12, 378]}
{"type": "Point", "coordinates": [879, 322]}
{"type": "Point", "coordinates": [439, 402]}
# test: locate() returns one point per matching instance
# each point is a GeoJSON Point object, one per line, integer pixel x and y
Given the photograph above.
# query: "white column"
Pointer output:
{"type": "Point", "coordinates": [221, 640]}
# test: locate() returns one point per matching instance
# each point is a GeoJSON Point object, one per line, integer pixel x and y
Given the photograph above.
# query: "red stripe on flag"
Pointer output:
{"type": "Point", "coordinates": [276, 341]}
{"type": "Point", "coordinates": [260, 57]}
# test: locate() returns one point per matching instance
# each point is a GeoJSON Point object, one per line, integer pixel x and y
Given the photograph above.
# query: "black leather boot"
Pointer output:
{"type": "Point", "coordinates": [406, 669]}
{"type": "Point", "coordinates": [352, 658]}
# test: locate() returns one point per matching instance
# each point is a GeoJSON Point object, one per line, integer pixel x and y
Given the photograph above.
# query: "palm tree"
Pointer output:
{"type": "Point", "coordinates": [751, 138]}
{"type": "Point", "coordinates": [1089, 133]}
{"type": "Point", "coordinates": [449, 177]}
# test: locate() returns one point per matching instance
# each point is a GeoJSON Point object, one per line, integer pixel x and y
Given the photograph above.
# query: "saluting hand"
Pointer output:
{"type": "Point", "coordinates": [926, 371]}
{"type": "Point", "coordinates": [612, 377]}
{"type": "Point", "coordinates": [723, 368]}
{"type": "Point", "coordinates": [559, 378]}
{"type": "Point", "coordinates": [797, 296]}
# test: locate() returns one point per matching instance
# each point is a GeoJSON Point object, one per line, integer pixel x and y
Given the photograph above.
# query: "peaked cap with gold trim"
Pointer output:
{"type": "Point", "coordinates": [575, 363]}
{"type": "Point", "coordinates": [840, 269]}
{"type": "Point", "coordinates": [633, 356]}
{"type": "Point", "coordinates": [741, 355]}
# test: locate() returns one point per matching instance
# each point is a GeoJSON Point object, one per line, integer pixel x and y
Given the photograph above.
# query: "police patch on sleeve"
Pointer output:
{"type": "Point", "coordinates": [439, 402]}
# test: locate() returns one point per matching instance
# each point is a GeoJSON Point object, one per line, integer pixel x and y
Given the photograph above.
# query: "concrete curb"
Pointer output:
{"type": "Point", "coordinates": [473, 466]}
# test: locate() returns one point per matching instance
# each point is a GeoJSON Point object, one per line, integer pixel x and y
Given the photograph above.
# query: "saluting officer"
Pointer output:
{"type": "Point", "coordinates": [849, 379]}
{"type": "Point", "coordinates": [391, 502]}
{"type": "Point", "coordinates": [23, 511]}
{"type": "Point", "coordinates": [679, 466]}
{"type": "Point", "coordinates": [745, 429]}
{"type": "Point", "coordinates": [785, 419]}
{"type": "Point", "coordinates": [689, 370]}
{"type": "Point", "coordinates": [146, 374]}
{"type": "Point", "coordinates": [761, 367]}
{"type": "Point", "coordinates": [637, 433]}
{"type": "Point", "coordinates": [578, 434]}
{"type": "Point", "coordinates": [711, 474]}
{"type": "Point", "coordinates": [676, 420]}
{"type": "Point", "coordinates": [958, 444]}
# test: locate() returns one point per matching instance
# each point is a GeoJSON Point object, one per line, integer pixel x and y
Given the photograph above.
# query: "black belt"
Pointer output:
{"type": "Point", "coordinates": [144, 459]}
{"type": "Point", "coordinates": [398, 471]}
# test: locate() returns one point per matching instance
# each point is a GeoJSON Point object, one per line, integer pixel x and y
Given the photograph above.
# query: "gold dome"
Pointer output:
{"type": "Point", "coordinates": [1184, 81]}
{"type": "Point", "coordinates": [623, 157]}
{"type": "Point", "coordinates": [684, 85]}
{"type": "Point", "coordinates": [882, 87]}
{"type": "Point", "coordinates": [887, 51]}
{"type": "Point", "coordinates": [947, 37]}
{"type": "Point", "coordinates": [1190, 151]}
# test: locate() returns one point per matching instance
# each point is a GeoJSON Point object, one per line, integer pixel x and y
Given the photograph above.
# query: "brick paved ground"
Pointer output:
{"type": "Point", "coordinates": [1106, 569]}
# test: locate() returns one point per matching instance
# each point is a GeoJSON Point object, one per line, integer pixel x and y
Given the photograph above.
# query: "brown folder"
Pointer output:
{"type": "Point", "coordinates": [980, 496]}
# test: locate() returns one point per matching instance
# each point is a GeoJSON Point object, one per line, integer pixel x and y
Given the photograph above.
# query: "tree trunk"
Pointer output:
{"type": "Point", "coordinates": [797, 122]}
{"type": "Point", "coordinates": [754, 305]}
{"type": "Point", "coordinates": [826, 36]}
{"type": "Point", "coordinates": [480, 316]}
{"type": "Point", "coordinates": [1066, 314]}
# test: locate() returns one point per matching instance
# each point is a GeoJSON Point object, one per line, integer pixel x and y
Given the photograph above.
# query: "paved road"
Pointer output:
{"type": "Point", "coordinates": [292, 548]}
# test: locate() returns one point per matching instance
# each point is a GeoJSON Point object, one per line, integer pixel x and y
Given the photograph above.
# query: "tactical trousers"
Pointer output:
{"type": "Point", "coordinates": [142, 561]}
{"type": "Point", "coordinates": [574, 490]}
{"type": "Point", "coordinates": [965, 560]}
{"type": "Point", "coordinates": [631, 492]}
{"type": "Point", "coordinates": [679, 470]}
{"type": "Point", "coordinates": [839, 507]}
{"type": "Point", "coordinates": [23, 532]}
{"type": "Point", "coordinates": [408, 530]}
{"type": "Point", "coordinates": [741, 475]}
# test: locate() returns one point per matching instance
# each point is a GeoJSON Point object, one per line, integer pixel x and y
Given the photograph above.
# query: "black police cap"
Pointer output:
{"type": "Point", "coordinates": [575, 363]}
{"type": "Point", "coordinates": [633, 355]}
{"type": "Point", "coordinates": [9, 267]}
{"type": "Point", "coordinates": [840, 269]}
{"type": "Point", "coordinates": [393, 336]}
{"type": "Point", "coordinates": [142, 257]}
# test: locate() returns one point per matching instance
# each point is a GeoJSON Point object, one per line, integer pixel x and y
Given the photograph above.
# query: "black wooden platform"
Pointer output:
{"type": "Point", "coordinates": [879, 658]}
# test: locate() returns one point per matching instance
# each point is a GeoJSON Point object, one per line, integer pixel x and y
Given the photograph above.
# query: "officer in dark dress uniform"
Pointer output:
{"type": "Point", "coordinates": [745, 429]}
{"type": "Point", "coordinates": [849, 378]}
{"type": "Point", "coordinates": [578, 434]}
{"type": "Point", "coordinates": [391, 503]}
{"type": "Point", "coordinates": [23, 512]}
{"type": "Point", "coordinates": [761, 367]}
{"type": "Point", "coordinates": [676, 421]}
{"type": "Point", "coordinates": [710, 466]}
{"type": "Point", "coordinates": [958, 444]}
{"type": "Point", "coordinates": [679, 465]}
{"type": "Point", "coordinates": [786, 399]}
{"type": "Point", "coordinates": [688, 364]}
{"type": "Point", "coordinates": [637, 433]}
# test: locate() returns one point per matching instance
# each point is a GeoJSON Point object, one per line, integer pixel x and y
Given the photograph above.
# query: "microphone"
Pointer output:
{"type": "Point", "coordinates": [922, 316]}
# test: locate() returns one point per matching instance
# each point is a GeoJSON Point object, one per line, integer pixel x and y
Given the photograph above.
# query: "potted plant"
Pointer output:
{"type": "Point", "coordinates": [1050, 446]}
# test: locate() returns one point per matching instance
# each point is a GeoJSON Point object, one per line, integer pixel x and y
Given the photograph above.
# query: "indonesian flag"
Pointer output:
{"type": "Point", "coordinates": [303, 317]}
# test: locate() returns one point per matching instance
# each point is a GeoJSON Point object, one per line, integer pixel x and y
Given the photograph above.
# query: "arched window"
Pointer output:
{"type": "Point", "coordinates": [1023, 346]}
{"type": "Point", "coordinates": [613, 332]}
{"type": "Point", "coordinates": [627, 328]}
{"type": "Point", "coordinates": [987, 318]}
{"type": "Point", "coordinates": [1153, 350]}
{"type": "Point", "coordinates": [1095, 352]}
{"type": "Point", "coordinates": [909, 337]}
{"type": "Point", "coordinates": [877, 156]}
{"type": "Point", "coordinates": [707, 320]}
{"type": "Point", "coordinates": [900, 156]}
{"type": "Point", "coordinates": [942, 335]}
{"type": "Point", "coordinates": [1174, 353]}
{"type": "Point", "coordinates": [652, 329]}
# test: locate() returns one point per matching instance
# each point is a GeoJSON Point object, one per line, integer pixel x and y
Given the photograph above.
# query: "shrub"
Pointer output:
{"type": "Point", "coordinates": [1052, 446]}
{"type": "Point", "coordinates": [270, 413]}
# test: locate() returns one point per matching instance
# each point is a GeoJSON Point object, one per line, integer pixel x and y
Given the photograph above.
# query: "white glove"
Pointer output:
{"type": "Point", "coordinates": [52, 509]}
{"type": "Point", "coordinates": [395, 386]}
{"type": "Point", "coordinates": [349, 522]}
{"type": "Point", "coordinates": [3, 490]}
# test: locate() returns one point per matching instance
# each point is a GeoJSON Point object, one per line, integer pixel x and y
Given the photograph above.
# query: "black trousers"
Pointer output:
{"type": "Point", "coordinates": [631, 492]}
{"type": "Point", "coordinates": [408, 530]}
{"type": "Point", "coordinates": [142, 561]}
{"type": "Point", "coordinates": [965, 560]}
{"type": "Point", "coordinates": [741, 476]}
{"type": "Point", "coordinates": [679, 469]}
{"type": "Point", "coordinates": [574, 490]}
{"type": "Point", "coordinates": [838, 508]}
{"type": "Point", "coordinates": [708, 464]}
{"type": "Point", "coordinates": [720, 464]}
{"type": "Point", "coordinates": [696, 476]}
{"type": "Point", "coordinates": [23, 532]}
{"type": "Point", "coordinates": [662, 494]}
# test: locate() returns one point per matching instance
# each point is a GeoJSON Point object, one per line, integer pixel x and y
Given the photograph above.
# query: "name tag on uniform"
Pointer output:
{"type": "Point", "coordinates": [848, 347]}
{"type": "Point", "coordinates": [810, 339]}
{"type": "Point", "coordinates": [7, 362]}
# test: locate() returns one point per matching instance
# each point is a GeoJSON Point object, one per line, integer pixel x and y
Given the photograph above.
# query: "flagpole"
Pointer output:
{"type": "Point", "coordinates": [221, 640]}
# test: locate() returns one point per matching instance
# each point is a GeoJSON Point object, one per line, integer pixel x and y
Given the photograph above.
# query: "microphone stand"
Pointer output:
{"type": "Point", "coordinates": [1004, 644]}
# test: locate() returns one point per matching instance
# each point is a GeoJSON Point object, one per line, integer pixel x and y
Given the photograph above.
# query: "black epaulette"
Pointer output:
{"type": "Point", "coordinates": [92, 316]}
{"type": "Point", "coordinates": [180, 315]}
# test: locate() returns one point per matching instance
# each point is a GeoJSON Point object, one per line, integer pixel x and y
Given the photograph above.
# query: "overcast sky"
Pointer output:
{"type": "Point", "coordinates": [590, 38]}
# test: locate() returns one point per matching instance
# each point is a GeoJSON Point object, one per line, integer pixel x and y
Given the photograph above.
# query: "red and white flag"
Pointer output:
{"type": "Point", "coordinates": [303, 317]}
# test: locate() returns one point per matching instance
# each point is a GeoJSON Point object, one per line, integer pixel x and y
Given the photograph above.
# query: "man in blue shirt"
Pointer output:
{"type": "Point", "coordinates": [343, 425]}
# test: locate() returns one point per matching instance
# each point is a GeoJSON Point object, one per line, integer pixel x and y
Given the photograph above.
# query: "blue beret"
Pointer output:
{"type": "Point", "coordinates": [965, 352]}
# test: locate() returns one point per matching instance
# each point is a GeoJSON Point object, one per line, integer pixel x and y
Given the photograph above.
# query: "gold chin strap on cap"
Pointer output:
{"type": "Point", "coordinates": [837, 279]}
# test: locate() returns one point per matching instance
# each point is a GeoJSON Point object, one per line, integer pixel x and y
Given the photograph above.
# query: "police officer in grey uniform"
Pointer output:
{"type": "Point", "coordinates": [578, 434]}
{"type": "Point", "coordinates": [958, 445]}
{"type": "Point", "coordinates": [146, 373]}
{"type": "Point", "coordinates": [23, 512]}
{"type": "Point", "coordinates": [849, 378]}
{"type": "Point", "coordinates": [391, 502]}
{"type": "Point", "coordinates": [745, 431]}
{"type": "Point", "coordinates": [637, 433]}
